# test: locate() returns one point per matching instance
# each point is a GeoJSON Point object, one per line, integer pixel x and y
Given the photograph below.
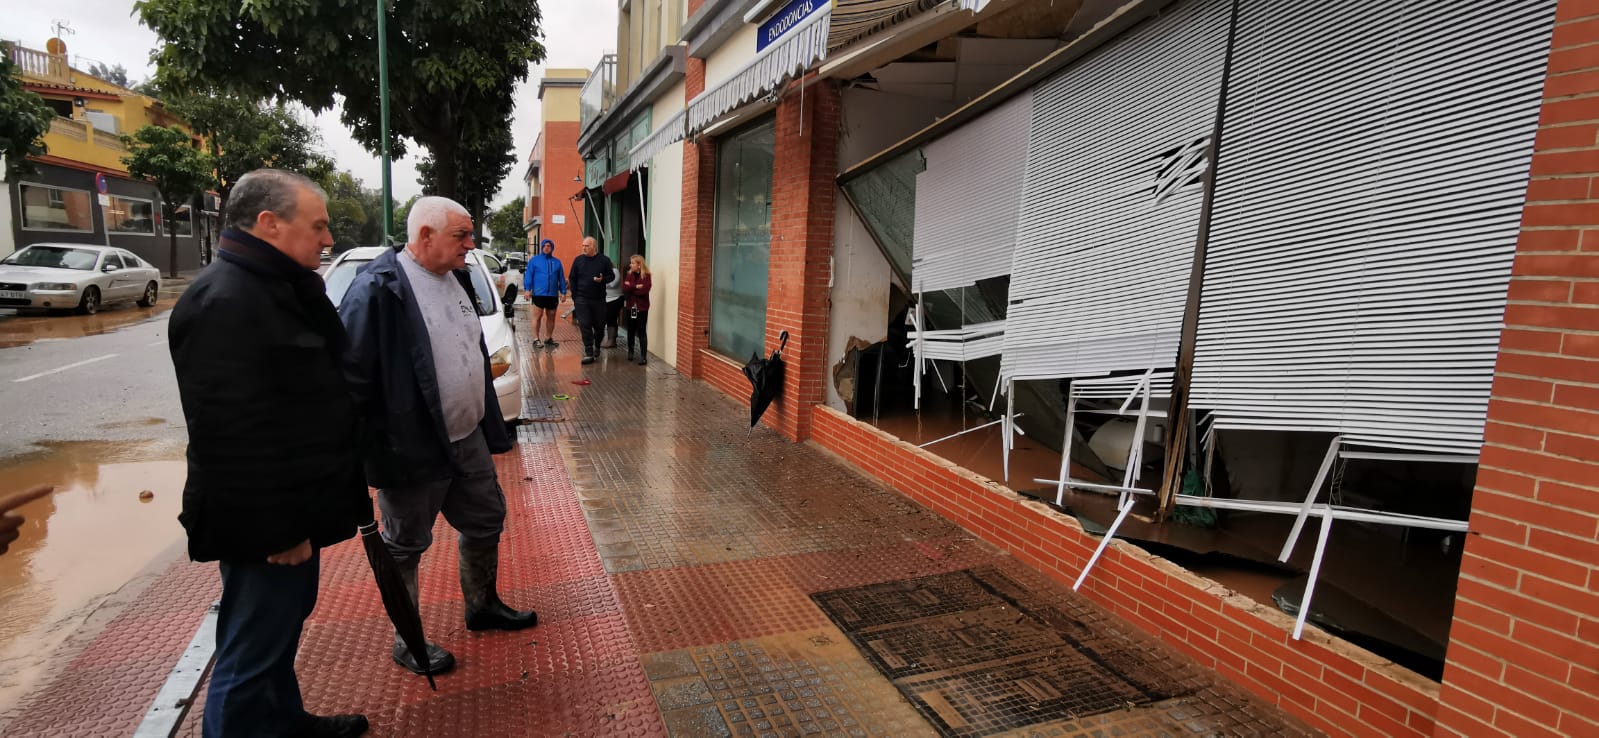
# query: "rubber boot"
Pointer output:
{"type": "Point", "coordinates": [480, 570]}
{"type": "Point", "coordinates": [440, 661]}
{"type": "Point", "coordinates": [610, 337]}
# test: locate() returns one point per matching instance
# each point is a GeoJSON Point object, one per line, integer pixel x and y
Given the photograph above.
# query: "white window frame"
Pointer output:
{"type": "Point", "coordinates": [155, 226]}
{"type": "Point", "coordinates": [22, 207]}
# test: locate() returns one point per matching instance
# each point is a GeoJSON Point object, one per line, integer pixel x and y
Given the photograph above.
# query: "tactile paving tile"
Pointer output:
{"type": "Point", "coordinates": [796, 684]}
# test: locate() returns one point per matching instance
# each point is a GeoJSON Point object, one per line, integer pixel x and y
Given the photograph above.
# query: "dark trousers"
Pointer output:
{"type": "Point", "coordinates": [613, 312]}
{"type": "Point", "coordinates": [635, 327]}
{"type": "Point", "coordinates": [471, 501]}
{"type": "Point", "coordinates": [591, 319]}
{"type": "Point", "coordinates": [254, 691]}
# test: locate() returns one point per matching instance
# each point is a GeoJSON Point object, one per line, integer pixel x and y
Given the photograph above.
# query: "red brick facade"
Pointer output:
{"type": "Point", "coordinates": [694, 261]}
{"type": "Point", "coordinates": [1524, 649]}
{"type": "Point", "coordinates": [562, 162]}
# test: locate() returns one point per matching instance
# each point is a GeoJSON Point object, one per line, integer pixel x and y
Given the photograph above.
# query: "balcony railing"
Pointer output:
{"type": "Point", "coordinates": [76, 130]}
{"type": "Point", "coordinates": [598, 92]}
{"type": "Point", "coordinates": [44, 65]}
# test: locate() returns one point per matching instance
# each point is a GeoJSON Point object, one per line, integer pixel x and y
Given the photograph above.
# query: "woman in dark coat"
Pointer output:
{"type": "Point", "coordinates": [636, 306]}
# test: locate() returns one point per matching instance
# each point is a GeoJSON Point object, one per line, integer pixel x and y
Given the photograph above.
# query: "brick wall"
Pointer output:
{"type": "Point", "coordinates": [1333, 685]}
{"type": "Point", "coordinates": [694, 257]}
{"type": "Point", "coordinates": [562, 162]}
{"type": "Point", "coordinates": [804, 166]}
{"type": "Point", "coordinates": [1523, 659]}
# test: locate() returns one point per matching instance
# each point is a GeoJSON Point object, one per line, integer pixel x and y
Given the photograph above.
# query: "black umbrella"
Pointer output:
{"type": "Point", "coordinates": [766, 379]}
{"type": "Point", "coordinates": [396, 598]}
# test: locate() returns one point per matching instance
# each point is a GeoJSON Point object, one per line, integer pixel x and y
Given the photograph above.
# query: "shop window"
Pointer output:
{"type": "Point", "coordinates": [130, 215]}
{"type": "Point", "coordinates": [46, 208]}
{"type": "Point", "coordinates": [181, 222]}
{"type": "Point", "coordinates": [742, 244]}
{"type": "Point", "coordinates": [885, 200]}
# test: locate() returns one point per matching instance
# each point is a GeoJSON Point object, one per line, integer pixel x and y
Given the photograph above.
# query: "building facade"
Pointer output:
{"type": "Point", "coordinates": [80, 191]}
{"type": "Point", "coordinates": [1352, 322]}
{"type": "Point", "coordinates": [555, 170]}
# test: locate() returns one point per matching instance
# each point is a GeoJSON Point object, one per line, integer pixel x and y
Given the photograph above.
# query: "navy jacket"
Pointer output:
{"type": "Point", "coordinates": [389, 368]}
{"type": "Point", "coordinates": [273, 452]}
{"type": "Point", "coordinates": [544, 277]}
{"type": "Point", "coordinates": [584, 270]}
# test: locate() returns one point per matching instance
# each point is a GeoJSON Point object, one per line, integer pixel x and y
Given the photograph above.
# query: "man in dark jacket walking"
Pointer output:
{"type": "Point", "coordinates": [420, 373]}
{"type": "Point", "coordinates": [274, 468]}
{"type": "Point", "coordinates": [591, 271]}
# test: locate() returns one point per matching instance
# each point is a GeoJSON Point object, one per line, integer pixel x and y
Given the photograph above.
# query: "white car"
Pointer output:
{"type": "Point", "coordinates": [73, 276]}
{"type": "Point", "coordinates": [504, 359]}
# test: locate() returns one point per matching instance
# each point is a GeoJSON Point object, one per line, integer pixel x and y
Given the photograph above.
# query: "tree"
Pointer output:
{"type": "Point", "coordinates": [24, 119]}
{"type": "Point", "coordinates": [483, 165]}
{"type": "Point", "coordinates": [505, 224]}
{"type": "Point", "coordinates": [169, 159]}
{"type": "Point", "coordinates": [117, 75]}
{"type": "Point", "coordinates": [454, 66]}
{"type": "Point", "coordinates": [249, 133]}
{"type": "Point", "coordinates": [348, 211]}
{"type": "Point", "coordinates": [400, 214]}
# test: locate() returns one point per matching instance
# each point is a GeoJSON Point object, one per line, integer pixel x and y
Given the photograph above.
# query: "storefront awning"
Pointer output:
{"type": "Point", "coordinates": [802, 46]}
{"type": "Point", "coordinates": [665, 135]}
{"type": "Point", "coordinates": [856, 19]}
{"type": "Point", "coordinates": [617, 183]}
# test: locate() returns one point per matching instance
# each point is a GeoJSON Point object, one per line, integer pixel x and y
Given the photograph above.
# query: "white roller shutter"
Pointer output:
{"type": "Point", "coordinates": [968, 197]}
{"type": "Point", "coordinates": [1364, 225]}
{"type": "Point", "coordinates": [1110, 213]}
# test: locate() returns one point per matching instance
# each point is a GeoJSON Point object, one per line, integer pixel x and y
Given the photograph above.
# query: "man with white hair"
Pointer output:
{"type": "Point", "coordinates": [419, 371]}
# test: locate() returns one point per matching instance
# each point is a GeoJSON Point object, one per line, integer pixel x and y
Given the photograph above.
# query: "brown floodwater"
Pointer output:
{"type": "Point", "coordinates": [80, 544]}
{"type": "Point", "coordinates": [21, 329]}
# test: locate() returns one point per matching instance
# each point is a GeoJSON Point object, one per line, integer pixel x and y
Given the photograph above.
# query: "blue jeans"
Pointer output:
{"type": "Point", "coordinates": [254, 691]}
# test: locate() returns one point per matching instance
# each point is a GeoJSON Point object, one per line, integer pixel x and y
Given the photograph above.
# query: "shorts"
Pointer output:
{"type": "Point", "coordinates": [544, 303]}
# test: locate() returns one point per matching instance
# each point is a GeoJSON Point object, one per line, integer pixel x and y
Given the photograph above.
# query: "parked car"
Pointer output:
{"type": "Point", "coordinates": [504, 358]}
{"type": "Point", "coordinates": [66, 276]}
{"type": "Point", "coordinates": [507, 271]}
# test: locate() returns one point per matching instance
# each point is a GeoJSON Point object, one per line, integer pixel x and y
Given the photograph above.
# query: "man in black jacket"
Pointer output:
{"type": "Point", "coordinates": [420, 373]}
{"type": "Point", "coordinates": [274, 470]}
{"type": "Point", "coordinates": [591, 271]}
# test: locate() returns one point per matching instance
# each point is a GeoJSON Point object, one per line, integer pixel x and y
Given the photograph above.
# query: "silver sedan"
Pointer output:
{"type": "Point", "coordinates": [83, 277]}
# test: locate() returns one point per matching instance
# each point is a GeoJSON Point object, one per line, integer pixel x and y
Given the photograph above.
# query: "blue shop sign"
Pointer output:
{"type": "Point", "coordinates": [785, 20]}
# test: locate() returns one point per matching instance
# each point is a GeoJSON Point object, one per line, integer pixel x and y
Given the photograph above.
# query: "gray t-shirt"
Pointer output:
{"type": "Point", "coordinates": [454, 333]}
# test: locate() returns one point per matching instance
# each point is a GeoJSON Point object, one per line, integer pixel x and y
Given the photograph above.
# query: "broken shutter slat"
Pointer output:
{"type": "Point", "coordinates": [1364, 225]}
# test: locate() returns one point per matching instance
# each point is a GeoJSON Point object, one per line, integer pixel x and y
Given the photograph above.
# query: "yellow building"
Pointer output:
{"type": "Point", "coordinates": [80, 191]}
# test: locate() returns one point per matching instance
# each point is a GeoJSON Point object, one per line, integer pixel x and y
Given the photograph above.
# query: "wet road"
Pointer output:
{"type": "Point", "coordinates": [90, 406]}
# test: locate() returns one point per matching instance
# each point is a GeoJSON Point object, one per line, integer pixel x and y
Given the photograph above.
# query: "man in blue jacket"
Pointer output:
{"type": "Point", "coordinates": [545, 284]}
{"type": "Point", "coordinates": [419, 372]}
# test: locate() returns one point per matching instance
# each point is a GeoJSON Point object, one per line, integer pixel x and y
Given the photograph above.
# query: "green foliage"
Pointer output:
{"type": "Point", "coordinates": [400, 214]}
{"type": "Point", "coordinates": [482, 165]}
{"type": "Point", "coordinates": [117, 75]}
{"type": "Point", "coordinates": [171, 161]}
{"type": "Point", "coordinates": [24, 119]}
{"type": "Point", "coordinates": [355, 212]}
{"type": "Point", "coordinates": [505, 224]}
{"type": "Point", "coordinates": [453, 65]}
{"type": "Point", "coordinates": [248, 133]}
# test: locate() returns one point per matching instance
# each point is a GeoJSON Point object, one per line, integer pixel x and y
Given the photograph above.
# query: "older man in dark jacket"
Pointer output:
{"type": "Point", "coordinates": [274, 470]}
{"type": "Point", "coordinates": [420, 373]}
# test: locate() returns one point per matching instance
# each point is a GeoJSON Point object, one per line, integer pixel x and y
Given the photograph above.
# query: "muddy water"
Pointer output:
{"type": "Point", "coordinates": [21, 329]}
{"type": "Point", "coordinates": [80, 544]}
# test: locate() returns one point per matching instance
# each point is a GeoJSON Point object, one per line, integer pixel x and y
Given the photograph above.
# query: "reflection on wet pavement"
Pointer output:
{"type": "Point", "coordinates": [21, 329]}
{"type": "Point", "coordinates": [81, 543]}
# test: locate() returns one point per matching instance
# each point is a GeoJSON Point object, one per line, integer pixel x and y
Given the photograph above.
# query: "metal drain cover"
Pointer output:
{"type": "Point", "coordinates": [976, 658]}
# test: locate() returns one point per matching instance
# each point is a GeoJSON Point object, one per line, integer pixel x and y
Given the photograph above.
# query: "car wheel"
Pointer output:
{"type": "Point", "coordinates": [90, 304]}
{"type": "Point", "coordinates": [151, 291]}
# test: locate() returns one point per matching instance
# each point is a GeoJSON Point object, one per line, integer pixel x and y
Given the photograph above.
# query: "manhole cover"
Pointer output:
{"type": "Point", "coordinates": [977, 660]}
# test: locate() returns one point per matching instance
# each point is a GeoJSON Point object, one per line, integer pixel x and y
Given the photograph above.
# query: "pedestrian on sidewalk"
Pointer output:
{"type": "Point", "coordinates": [636, 287]}
{"type": "Point", "coordinates": [545, 283]}
{"type": "Point", "coordinates": [420, 372]}
{"type": "Point", "coordinates": [613, 309]}
{"type": "Point", "coordinates": [591, 271]}
{"type": "Point", "coordinates": [274, 465]}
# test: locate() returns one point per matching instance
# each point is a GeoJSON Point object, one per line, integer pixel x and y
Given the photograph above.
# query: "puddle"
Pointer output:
{"type": "Point", "coordinates": [80, 544]}
{"type": "Point", "coordinates": [21, 329]}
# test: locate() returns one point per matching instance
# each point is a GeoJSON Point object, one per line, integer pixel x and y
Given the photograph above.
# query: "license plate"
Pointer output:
{"type": "Point", "coordinates": [11, 295]}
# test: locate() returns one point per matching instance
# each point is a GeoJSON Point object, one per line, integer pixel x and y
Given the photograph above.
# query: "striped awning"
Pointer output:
{"type": "Point", "coordinates": [665, 135]}
{"type": "Point", "coordinates": [856, 19]}
{"type": "Point", "coordinates": [803, 46]}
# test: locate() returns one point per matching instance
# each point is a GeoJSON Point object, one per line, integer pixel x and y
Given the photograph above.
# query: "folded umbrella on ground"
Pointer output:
{"type": "Point", "coordinates": [766, 379]}
{"type": "Point", "coordinates": [396, 598]}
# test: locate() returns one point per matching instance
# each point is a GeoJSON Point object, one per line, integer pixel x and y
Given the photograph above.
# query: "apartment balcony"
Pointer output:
{"type": "Point", "coordinates": [41, 65]}
{"type": "Point", "coordinates": [598, 93]}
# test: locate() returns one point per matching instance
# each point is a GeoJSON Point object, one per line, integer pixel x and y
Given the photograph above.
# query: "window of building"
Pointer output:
{"type": "Point", "coordinates": [46, 208]}
{"type": "Point", "coordinates": [182, 222]}
{"type": "Point", "coordinates": [130, 215]}
{"type": "Point", "coordinates": [62, 108]}
{"type": "Point", "coordinates": [742, 244]}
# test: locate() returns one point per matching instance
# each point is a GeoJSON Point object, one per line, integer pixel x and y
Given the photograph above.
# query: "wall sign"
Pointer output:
{"type": "Point", "coordinates": [785, 20]}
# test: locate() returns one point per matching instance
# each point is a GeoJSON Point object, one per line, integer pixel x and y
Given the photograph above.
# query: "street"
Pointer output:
{"type": "Point", "coordinates": [91, 407]}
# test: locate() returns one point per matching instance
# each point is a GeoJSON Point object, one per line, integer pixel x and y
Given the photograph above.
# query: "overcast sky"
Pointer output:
{"type": "Point", "coordinates": [576, 33]}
